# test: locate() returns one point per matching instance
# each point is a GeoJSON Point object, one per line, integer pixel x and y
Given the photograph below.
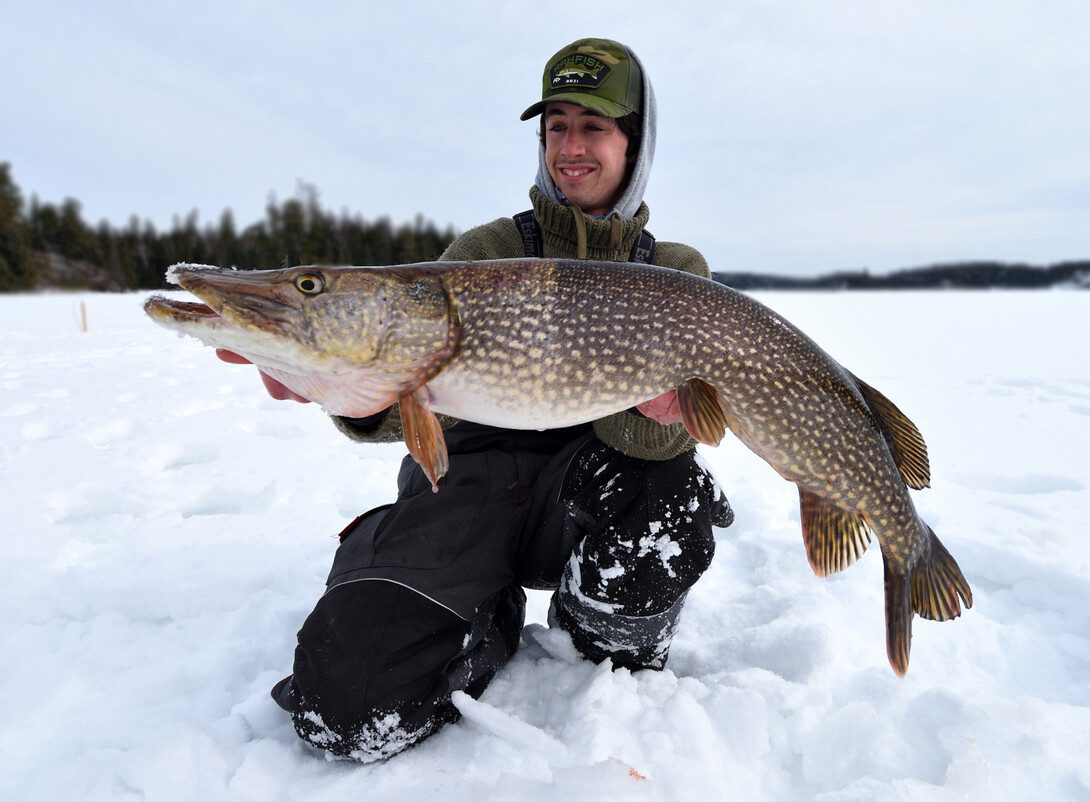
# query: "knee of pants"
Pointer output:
{"type": "Point", "coordinates": [368, 678]}
{"type": "Point", "coordinates": [603, 484]}
{"type": "Point", "coordinates": [377, 662]}
{"type": "Point", "coordinates": [648, 532]}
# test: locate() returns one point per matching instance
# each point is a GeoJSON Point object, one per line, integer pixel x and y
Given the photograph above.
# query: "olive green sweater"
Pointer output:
{"type": "Point", "coordinates": [567, 234]}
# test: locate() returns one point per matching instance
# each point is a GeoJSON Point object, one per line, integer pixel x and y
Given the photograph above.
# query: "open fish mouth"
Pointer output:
{"type": "Point", "coordinates": [188, 317]}
{"type": "Point", "coordinates": [231, 300]}
{"type": "Point", "coordinates": [251, 334]}
{"type": "Point", "coordinates": [162, 309]}
{"type": "Point", "coordinates": [222, 323]}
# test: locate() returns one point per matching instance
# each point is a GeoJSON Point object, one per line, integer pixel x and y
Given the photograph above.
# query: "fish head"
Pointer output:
{"type": "Point", "coordinates": [398, 327]}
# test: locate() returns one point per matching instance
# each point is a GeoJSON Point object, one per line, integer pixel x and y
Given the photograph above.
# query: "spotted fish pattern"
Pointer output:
{"type": "Point", "coordinates": [536, 344]}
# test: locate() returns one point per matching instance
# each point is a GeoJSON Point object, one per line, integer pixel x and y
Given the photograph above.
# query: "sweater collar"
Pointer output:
{"type": "Point", "coordinates": [609, 238]}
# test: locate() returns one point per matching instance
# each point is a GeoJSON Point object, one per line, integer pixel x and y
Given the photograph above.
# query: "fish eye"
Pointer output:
{"type": "Point", "coordinates": [310, 283]}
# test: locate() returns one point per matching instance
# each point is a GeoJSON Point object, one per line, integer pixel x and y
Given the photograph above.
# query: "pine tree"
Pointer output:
{"type": "Point", "coordinates": [76, 240]}
{"type": "Point", "coordinates": [227, 247]}
{"type": "Point", "coordinates": [16, 269]}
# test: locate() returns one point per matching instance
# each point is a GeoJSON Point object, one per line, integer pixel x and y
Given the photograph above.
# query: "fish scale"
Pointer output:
{"type": "Point", "coordinates": [530, 344]}
{"type": "Point", "coordinates": [580, 360]}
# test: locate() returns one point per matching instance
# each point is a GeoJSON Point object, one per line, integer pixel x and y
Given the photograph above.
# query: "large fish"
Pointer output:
{"type": "Point", "coordinates": [536, 344]}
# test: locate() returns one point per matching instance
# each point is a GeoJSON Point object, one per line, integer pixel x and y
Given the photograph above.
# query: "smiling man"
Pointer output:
{"type": "Point", "coordinates": [587, 155]}
{"type": "Point", "coordinates": [615, 517]}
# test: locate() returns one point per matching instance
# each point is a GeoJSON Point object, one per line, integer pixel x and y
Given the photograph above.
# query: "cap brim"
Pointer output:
{"type": "Point", "coordinates": [607, 108]}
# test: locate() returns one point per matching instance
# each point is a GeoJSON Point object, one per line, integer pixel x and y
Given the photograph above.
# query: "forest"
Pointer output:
{"type": "Point", "coordinates": [46, 246]}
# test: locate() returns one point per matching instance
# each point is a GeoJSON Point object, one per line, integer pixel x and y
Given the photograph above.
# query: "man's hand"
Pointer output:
{"type": "Point", "coordinates": [663, 409]}
{"type": "Point", "coordinates": [274, 388]}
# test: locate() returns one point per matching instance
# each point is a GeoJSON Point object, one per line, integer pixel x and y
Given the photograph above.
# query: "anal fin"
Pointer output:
{"type": "Point", "coordinates": [701, 411]}
{"type": "Point", "coordinates": [424, 435]}
{"type": "Point", "coordinates": [834, 538]}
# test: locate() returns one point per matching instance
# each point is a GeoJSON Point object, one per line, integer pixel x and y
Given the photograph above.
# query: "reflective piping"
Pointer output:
{"type": "Point", "coordinates": [395, 582]}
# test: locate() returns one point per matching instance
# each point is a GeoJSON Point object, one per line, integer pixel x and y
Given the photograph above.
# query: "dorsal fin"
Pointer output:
{"type": "Point", "coordinates": [905, 441]}
{"type": "Point", "coordinates": [834, 538]}
{"type": "Point", "coordinates": [701, 411]}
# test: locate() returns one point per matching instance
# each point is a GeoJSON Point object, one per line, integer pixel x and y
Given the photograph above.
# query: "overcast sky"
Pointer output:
{"type": "Point", "coordinates": [795, 137]}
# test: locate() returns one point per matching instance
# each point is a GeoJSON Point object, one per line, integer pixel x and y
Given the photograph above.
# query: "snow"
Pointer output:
{"type": "Point", "coordinates": [167, 527]}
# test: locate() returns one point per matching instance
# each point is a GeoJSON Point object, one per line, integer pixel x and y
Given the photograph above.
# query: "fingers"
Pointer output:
{"type": "Point", "coordinates": [279, 391]}
{"type": "Point", "coordinates": [274, 388]}
{"type": "Point", "coordinates": [232, 357]}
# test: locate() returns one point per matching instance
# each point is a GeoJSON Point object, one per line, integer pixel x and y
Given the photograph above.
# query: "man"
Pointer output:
{"type": "Point", "coordinates": [425, 596]}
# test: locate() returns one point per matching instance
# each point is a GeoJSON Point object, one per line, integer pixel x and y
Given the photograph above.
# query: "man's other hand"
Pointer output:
{"type": "Point", "coordinates": [663, 409]}
{"type": "Point", "coordinates": [274, 388]}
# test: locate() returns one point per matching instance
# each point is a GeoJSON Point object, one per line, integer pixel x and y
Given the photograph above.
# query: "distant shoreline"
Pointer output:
{"type": "Point", "coordinates": [958, 275]}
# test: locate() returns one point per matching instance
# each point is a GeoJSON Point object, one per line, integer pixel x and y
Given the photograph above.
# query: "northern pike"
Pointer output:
{"type": "Point", "coordinates": [538, 344]}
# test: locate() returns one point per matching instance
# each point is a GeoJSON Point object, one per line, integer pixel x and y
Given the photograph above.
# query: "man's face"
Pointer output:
{"type": "Point", "coordinates": [586, 156]}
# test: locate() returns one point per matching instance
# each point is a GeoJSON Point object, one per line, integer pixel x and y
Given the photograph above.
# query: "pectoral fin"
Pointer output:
{"type": "Point", "coordinates": [701, 411]}
{"type": "Point", "coordinates": [424, 435]}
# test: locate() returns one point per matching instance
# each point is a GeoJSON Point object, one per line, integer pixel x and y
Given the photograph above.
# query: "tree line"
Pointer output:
{"type": "Point", "coordinates": [43, 244]}
{"type": "Point", "coordinates": [958, 275]}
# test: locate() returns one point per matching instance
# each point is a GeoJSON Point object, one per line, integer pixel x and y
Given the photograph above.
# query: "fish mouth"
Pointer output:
{"type": "Point", "coordinates": [249, 302]}
{"type": "Point", "coordinates": [168, 309]}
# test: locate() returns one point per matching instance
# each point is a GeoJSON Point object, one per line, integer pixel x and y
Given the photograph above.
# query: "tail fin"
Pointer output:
{"type": "Point", "coordinates": [936, 584]}
{"type": "Point", "coordinates": [898, 619]}
{"type": "Point", "coordinates": [932, 590]}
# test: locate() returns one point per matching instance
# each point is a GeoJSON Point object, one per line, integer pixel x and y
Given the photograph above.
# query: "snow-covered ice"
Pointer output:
{"type": "Point", "coordinates": [167, 527]}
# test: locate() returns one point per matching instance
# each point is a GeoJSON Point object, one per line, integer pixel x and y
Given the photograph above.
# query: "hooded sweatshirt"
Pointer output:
{"type": "Point", "coordinates": [566, 234]}
{"type": "Point", "coordinates": [630, 201]}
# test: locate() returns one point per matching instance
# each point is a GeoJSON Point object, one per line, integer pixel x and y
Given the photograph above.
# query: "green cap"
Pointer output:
{"type": "Point", "coordinates": [597, 74]}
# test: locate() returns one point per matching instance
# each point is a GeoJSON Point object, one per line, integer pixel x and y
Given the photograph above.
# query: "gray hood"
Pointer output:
{"type": "Point", "coordinates": [633, 196]}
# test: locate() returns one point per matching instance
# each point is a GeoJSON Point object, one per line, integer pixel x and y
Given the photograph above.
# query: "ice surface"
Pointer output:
{"type": "Point", "coordinates": [167, 527]}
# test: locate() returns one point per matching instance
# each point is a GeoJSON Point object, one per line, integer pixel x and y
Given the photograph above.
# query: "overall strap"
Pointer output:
{"type": "Point", "coordinates": [530, 231]}
{"type": "Point", "coordinates": [534, 246]}
{"type": "Point", "coordinates": [644, 249]}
